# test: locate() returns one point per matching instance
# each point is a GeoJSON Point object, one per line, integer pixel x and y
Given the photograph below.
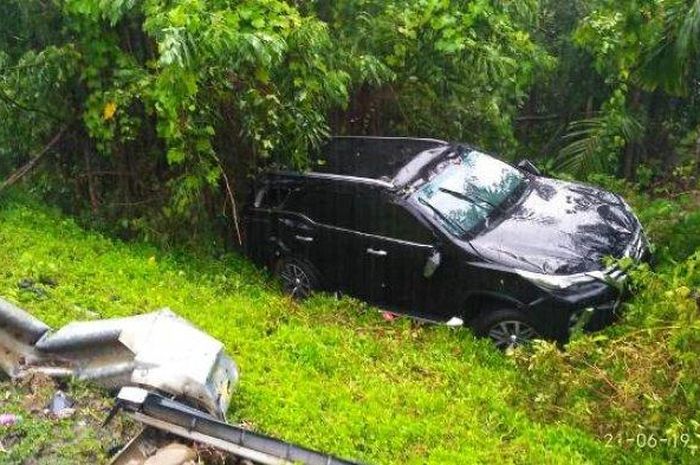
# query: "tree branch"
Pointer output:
{"type": "Point", "coordinates": [232, 199]}
{"type": "Point", "coordinates": [10, 101]}
{"type": "Point", "coordinates": [525, 118]}
{"type": "Point", "coordinates": [26, 168]}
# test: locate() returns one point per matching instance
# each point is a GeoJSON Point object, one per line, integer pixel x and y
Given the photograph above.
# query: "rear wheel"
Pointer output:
{"type": "Point", "coordinates": [298, 277]}
{"type": "Point", "coordinates": [506, 328]}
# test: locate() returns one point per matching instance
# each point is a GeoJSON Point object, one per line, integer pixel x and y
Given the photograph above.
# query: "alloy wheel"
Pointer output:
{"type": "Point", "coordinates": [511, 333]}
{"type": "Point", "coordinates": [296, 281]}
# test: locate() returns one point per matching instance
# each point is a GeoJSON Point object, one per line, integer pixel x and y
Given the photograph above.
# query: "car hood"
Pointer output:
{"type": "Point", "coordinates": [559, 228]}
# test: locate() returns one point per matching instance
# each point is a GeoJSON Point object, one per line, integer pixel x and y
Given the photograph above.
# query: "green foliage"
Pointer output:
{"type": "Point", "coordinates": [162, 99]}
{"type": "Point", "coordinates": [262, 61]}
{"type": "Point", "coordinates": [460, 72]}
{"type": "Point", "coordinates": [595, 143]}
{"type": "Point", "coordinates": [177, 92]}
{"type": "Point", "coordinates": [33, 99]}
{"type": "Point", "coordinates": [637, 378]}
{"type": "Point", "coordinates": [670, 61]}
{"type": "Point", "coordinates": [639, 48]}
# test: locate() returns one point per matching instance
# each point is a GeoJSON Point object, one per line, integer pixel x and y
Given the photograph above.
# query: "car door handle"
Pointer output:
{"type": "Point", "coordinates": [378, 253]}
{"type": "Point", "coordinates": [304, 238]}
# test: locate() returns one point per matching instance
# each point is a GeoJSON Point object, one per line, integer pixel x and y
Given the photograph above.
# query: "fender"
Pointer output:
{"type": "Point", "coordinates": [278, 250]}
{"type": "Point", "coordinates": [476, 301]}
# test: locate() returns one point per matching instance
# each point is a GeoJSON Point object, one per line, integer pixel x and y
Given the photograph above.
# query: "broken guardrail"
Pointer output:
{"type": "Point", "coordinates": [19, 331]}
{"type": "Point", "coordinates": [184, 422]}
{"type": "Point", "coordinates": [174, 379]}
{"type": "Point", "coordinates": [157, 350]}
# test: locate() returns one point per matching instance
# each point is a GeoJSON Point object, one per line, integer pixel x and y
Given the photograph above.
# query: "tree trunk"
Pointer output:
{"type": "Point", "coordinates": [697, 151]}
{"type": "Point", "coordinates": [94, 203]}
{"type": "Point", "coordinates": [631, 152]}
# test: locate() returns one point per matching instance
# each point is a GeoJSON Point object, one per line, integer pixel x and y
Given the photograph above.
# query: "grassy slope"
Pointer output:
{"type": "Point", "coordinates": [327, 374]}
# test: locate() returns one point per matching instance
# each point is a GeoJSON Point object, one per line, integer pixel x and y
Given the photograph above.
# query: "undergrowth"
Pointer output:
{"type": "Point", "coordinates": [638, 382]}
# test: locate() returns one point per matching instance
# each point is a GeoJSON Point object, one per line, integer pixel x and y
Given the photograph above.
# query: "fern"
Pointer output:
{"type": "Point", "coordinates": [592, 141]}
{"type": "Point", "coordinates": [586, 140]}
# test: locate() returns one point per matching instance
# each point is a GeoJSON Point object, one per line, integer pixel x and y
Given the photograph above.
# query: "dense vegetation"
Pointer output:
{"type": "Point", "coordinates": [145, 119]}
{"type": "Point", "coordinates": [165, 107]}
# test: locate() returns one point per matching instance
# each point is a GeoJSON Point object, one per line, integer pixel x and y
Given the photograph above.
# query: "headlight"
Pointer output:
{"type": "Point", "coordinates": [625, 205]}
{"type": "Point", "coordinates": [561, 282]}
{"type": "Point", "coordinates": [639, 242]}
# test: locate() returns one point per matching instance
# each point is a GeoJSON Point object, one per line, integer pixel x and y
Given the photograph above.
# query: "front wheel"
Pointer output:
{"type": "Point", "coordinates": [506, 328]}
{"type": "Point", "coordinates": [298, 277]}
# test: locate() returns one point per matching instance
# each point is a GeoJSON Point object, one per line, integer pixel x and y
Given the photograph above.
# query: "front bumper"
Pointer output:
{"type": "Point", "coordinates": [606, 310]}
{"type": "Point", "coordinates": [595, 308]}
{"type": "Point", "coordinates": [596, 317]}
{"type": "Point", "coordinates": [557, 318]}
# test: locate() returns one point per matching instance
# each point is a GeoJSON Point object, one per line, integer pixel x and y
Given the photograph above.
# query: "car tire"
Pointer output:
{"type": "Point", "coordinates": [298, 277]}
{"type": "Point", "coordinates": [506, 328]}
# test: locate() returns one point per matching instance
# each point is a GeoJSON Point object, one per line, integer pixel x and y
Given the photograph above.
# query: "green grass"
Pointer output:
{"type": "Point", "coordinates": [327, 374]}
{"type": "Point", "coordinates": [39, 438]}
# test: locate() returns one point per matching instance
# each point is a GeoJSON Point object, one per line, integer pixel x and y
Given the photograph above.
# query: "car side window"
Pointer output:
{"type": "Point", "coordinates": [310, 201]}
{"type": "Point", "coordinates": [395, 222]}
{"type": "Point", "coordinates": [333, 206]}
{"type": "Point", "coordinates": [356, 209]}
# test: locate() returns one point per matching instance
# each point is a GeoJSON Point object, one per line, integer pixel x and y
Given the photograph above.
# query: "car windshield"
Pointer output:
{"type": "Point", "coordinates": [468, 190]}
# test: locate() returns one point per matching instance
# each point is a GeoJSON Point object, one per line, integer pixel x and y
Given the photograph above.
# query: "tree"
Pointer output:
{"type": "Point", "coordinates": [459, 70]}
{"type": "Point", "coordinates": [644, 50]}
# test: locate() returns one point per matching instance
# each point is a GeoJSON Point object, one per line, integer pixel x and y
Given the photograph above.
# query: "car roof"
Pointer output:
{"type": "Point", "coordinates": [384, 161]}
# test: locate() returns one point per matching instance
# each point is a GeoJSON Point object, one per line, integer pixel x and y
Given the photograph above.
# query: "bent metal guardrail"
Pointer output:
{"type": "Point", "coordinates": [19, 331]}
{"type": "Point", "coordinates": [142, 350]}
{"type": "Point", "coordinates": [148, 357]}
{"type": "Point", "coordinates": [182, 421]}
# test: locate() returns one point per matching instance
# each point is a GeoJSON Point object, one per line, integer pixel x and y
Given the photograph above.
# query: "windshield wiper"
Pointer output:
{"type": "Point", "coordinates": [442, 216]}
{"type": "Point", "coordinates": [475, 200]}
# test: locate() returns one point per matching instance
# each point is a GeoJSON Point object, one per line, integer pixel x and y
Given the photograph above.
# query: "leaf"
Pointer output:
{"type": "Point", "coordinates": [109, 110]}
{"type": "Point", "coordinates": [262, 75]}
{"type": "Point", "coordinates": [176, 156]}
{"type": "Point", "coordinates": [258, 23]}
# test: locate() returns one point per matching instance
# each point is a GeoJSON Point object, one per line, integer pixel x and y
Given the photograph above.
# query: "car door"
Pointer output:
{"type": "Point", "coordinates": [349, 212]}
{"type": "Point", "coordinates": [313, 224]}
{"type": "Point", "coordinates": [397, 251]}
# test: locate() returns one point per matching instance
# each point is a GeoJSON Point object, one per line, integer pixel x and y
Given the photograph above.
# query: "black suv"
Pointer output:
{"type": "Point", "coordinates": [445, 233]}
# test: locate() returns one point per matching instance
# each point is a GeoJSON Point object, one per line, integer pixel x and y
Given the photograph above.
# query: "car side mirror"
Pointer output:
{"type": "Point", "coordinates": [432, 264]}
{"type": "Point", "coordinates": [529, 167]}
